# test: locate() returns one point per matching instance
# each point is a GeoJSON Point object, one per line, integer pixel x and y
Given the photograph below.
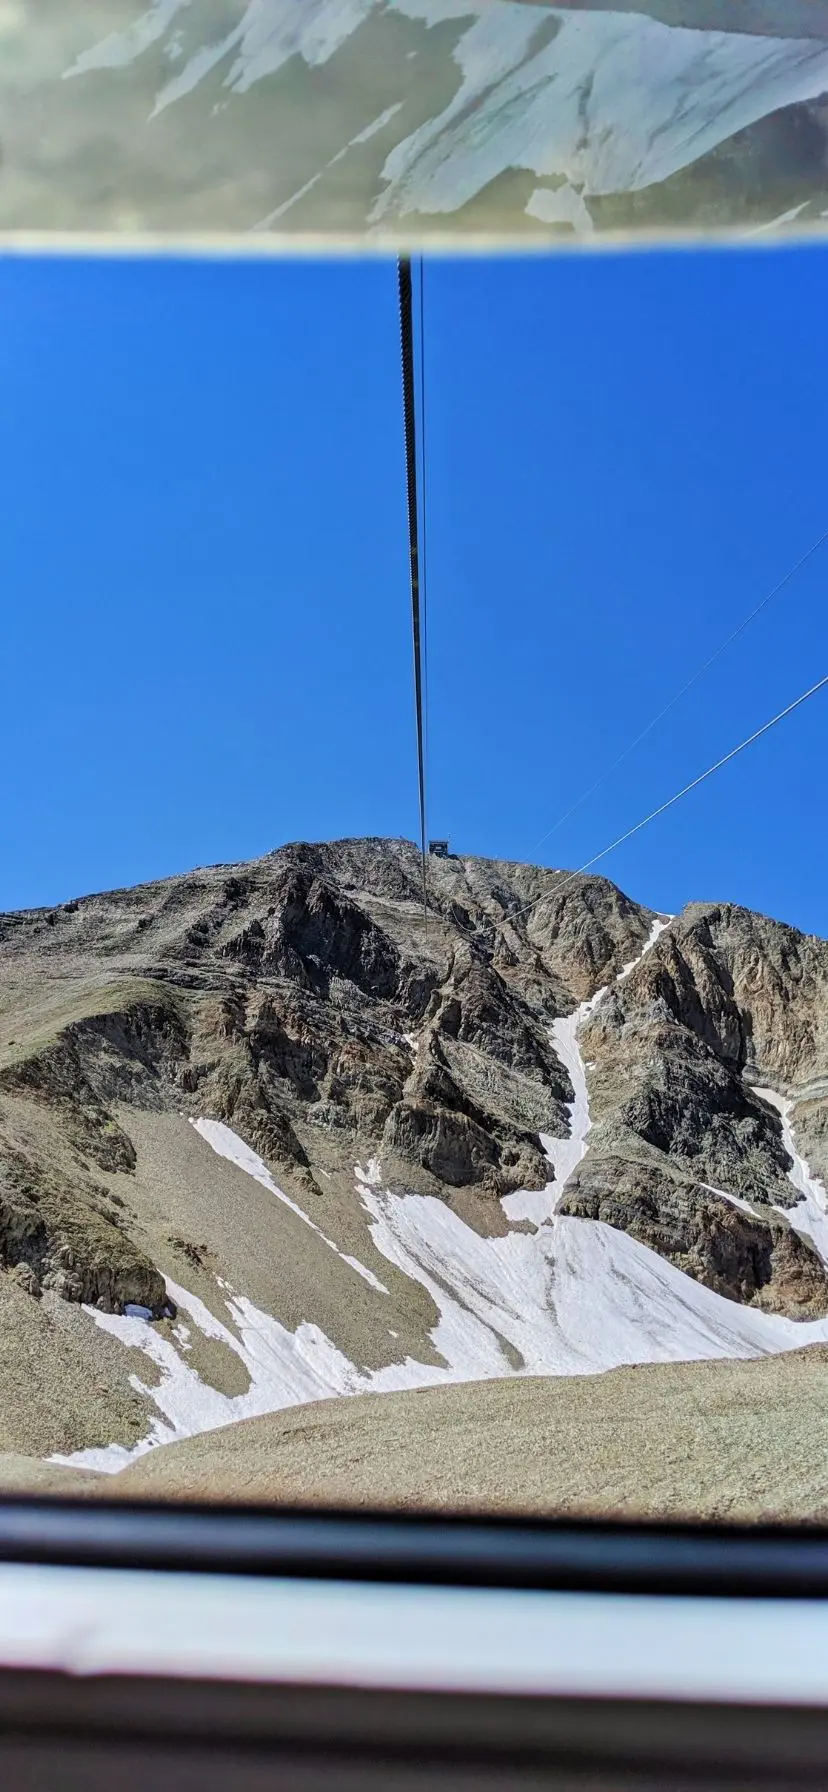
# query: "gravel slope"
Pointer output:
{"type": "Point", "coordinates": [718, 1440]}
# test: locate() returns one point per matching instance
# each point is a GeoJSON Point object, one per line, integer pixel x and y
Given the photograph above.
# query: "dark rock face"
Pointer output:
{"type": "Point", "coordinates": [307, 1002]}
{"type": "Point", "coordinates": [724, 1000]}
{"type": "Point", "coordinates": [586, 931]}
{"type": "Point", "coordinates": [747, 1258]}
{"type": "Point", "coordinates": [326, 993]}
{"type": "Point", "coordinates": [314, 936]}
{"type": "Point", "coordinates": [131, 1055]}
{"type": "Point", "coordinates": [63, 1234]}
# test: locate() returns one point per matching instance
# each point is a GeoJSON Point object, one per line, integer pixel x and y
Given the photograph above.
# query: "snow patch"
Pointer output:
{"type": "Point", "coordinates": [735, 1200]}
{"type": "Point", "coordinates": [367, 1274]}
{"type": "Point", "coordinates": [572, 1298]}
{"type": "Point", "coordinates": [659, 924]}
{"type": "Point", "coordinates": [267, 36]}
{"type": "Point", "coordinates": [810, 1216]}
{"type": "Point", "coordinates": [783, 218]}
{"type": "Point", "coordinates": [560, 205]}
{"type": "Point", "coordinates": [379, 124]}
{"type": "Point", "coordinates": [121, 48]}
{"type": "Point", "coordinates": [285, 1369]}
{"type": "Point", "coordinates": [564, 1155]}
{"type": "Point", "coordinates": [227, 1144]}
{"type": "Point", "coordinates": [264, 39]}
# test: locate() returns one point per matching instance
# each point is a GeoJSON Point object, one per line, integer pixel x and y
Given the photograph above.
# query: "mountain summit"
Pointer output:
{"type": "Point", "coordinates": [269, 1132]}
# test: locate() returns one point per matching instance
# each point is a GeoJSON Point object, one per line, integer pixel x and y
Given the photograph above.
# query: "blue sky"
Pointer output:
{"type": "Point", "coordinates": [204, 569]}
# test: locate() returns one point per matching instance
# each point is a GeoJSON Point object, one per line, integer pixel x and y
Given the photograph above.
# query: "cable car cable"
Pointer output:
{"type": "Point", "coordinates": [662, 807]}
{"type": "Point", "coordinates": [733, 636]}
{"type": "Point", "coordinates": [410, 422]}
{"type": "Point", "coordinates": [424, 513]}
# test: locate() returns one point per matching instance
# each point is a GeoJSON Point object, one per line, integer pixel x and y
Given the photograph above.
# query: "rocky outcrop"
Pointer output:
{"type": "Point", "coordinates": [724, 1000]}
{"type": "Point", "coordinates": [748, 1257]}
{"type": "Point", "coordinates": [64, 1233]}
{"type": "Point", "coordinates": [130, 1054]}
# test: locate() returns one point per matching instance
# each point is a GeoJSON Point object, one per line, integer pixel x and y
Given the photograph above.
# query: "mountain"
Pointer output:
{"type": "Point", "coordinates": [415, 116]}
{"type": "Point", "coordinates": [271, 1133]}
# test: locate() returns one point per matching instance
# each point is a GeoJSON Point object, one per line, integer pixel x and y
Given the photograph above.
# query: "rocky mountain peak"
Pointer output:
{"type": "Point", "coordinates": [307, 1002]}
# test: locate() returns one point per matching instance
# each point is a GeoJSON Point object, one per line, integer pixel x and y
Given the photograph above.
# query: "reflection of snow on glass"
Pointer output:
{"type": "Point", "coordinates": [605, 101]}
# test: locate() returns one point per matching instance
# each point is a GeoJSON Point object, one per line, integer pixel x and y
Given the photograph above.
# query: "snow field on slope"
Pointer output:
{"type": "Point", "coordinates": [285, 1369]}
{"type": "Point", "coordinates": [576, 1296]}
{"type": "Point", "coordinates": [572, 1297]}
{"type": "Point", "coordinates": [227, 1144]}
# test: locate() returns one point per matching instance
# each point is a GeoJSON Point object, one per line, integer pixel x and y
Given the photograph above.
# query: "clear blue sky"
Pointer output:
{"type": "Point", "coordinates": [206, 645]}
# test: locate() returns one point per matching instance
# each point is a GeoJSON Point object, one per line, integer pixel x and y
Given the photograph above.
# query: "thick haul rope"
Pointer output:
{"type": "Point", "coordinates": [410, 418]}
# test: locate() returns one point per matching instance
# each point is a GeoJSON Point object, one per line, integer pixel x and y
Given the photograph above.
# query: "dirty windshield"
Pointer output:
{"type": "Point", "coordinates": [413, 958]}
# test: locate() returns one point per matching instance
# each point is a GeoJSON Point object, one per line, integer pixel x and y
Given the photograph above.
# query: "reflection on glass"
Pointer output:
{"type": "Point", "coordinates": [418, 118]}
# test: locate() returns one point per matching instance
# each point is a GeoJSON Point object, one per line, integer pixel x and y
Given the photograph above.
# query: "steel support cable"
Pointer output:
{"type": "Point", "coordinates": [705, 667]}
{"type": "Point", "coordinates": [663, 807]}
{"type": "Point", "coordinates": [410, 420]}
{"type": "Point", "coordinates": [423, 439]}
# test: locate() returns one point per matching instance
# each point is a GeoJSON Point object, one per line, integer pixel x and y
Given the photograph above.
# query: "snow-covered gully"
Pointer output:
{"type": "Point", "coordinates": [810, 1215]}
{"type": "Point", "coordinates": [567, 1297]}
